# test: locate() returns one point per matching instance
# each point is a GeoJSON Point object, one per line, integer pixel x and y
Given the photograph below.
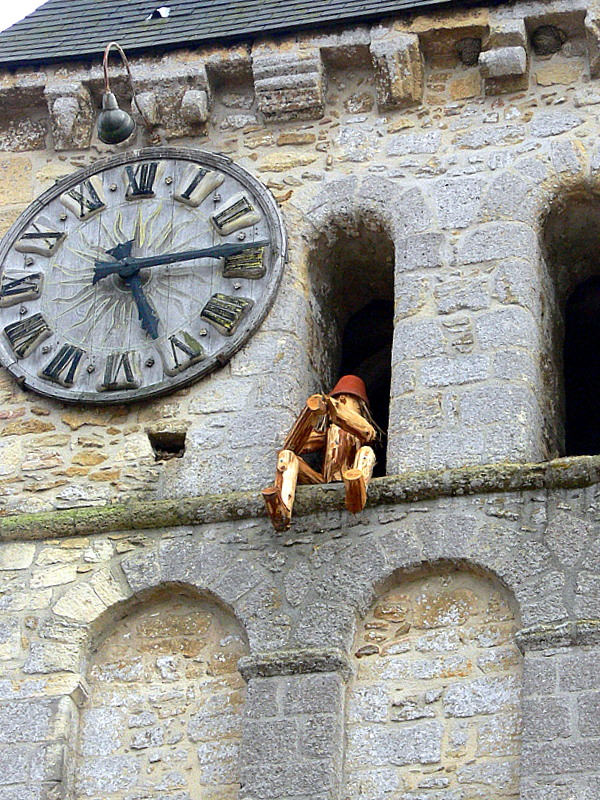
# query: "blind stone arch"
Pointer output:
{"type": "Point", "coordinates": [164, 713]}
{"type": "Point", "coordinates": [435, 702]}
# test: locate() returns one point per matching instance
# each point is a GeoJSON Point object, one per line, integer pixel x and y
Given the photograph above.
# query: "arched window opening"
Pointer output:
{"type": "Point", "coordinates": [582, 369]}
{"type": "Point", "coordinates": [352, 297]}
{"type": "Point", "coordinates": [572, 322]}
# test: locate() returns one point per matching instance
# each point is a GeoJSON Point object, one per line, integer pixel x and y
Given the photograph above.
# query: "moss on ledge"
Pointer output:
{"type": "Point", "coordinates": [565, 473]}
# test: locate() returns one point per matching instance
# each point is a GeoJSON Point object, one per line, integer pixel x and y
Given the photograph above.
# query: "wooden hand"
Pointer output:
{"type": "Point", "coordinates": [128, 266]}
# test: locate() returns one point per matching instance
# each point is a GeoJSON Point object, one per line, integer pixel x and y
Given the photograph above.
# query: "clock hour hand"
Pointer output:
{"type": "Point", "coordinates": [130, 266]}
{"type": "Point", "coordinates": [147, 314]}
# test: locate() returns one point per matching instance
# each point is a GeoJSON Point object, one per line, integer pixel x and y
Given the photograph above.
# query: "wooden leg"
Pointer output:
{"type": "Point", "coordinates": [357, 479]}
{"type": "Point", "coordinates": [279, 499]}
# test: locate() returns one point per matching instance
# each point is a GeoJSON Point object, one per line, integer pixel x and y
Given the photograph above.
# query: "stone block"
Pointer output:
{"type": "Point", "coordinates": [592, 32]}
{"type": "Point", "coordinates": [269, 741]}
{"type": "Point", "coordinates": [313, 694]}
{"type": "Point", "coordinates": [72, 115]}
{"type": "Point", "coordinates": [81, 603]}
{"type": "Point", "coordinates": [406, 144]}
{"type": "Point", "coordinates": [539, 675]}
{"type": "Point", "coordinates": [380, 746]}
{"type": "Point", "coordinates": [553, 123]}
{"type": "Point", "coordinates": [481, 696]}
{"type": "Point", "coordinates": [498, 240]}
{"type": "Point", "coordinates": [194, 106]}
{"type": "Point", "coordinates": [507, 327]}
{"type": "Point", "coordinates": [458, 201]}
{"type": "Point", "coordinates": [16, 555]}
{"type": "Point", "coordinates": [547, 718]}
{"type": "Point", "coordinates": [420, 251]}
{"type": "Point", "coordinates": [47, 657]}
{"type": "Point", "coordinates": [506, 31]}
{"type": "Point", "coordinates": [262, 697]}
{"type": "Point", "coordinates": [288, 81]}
{"type": "Point", "coordinates": [399, 69]}
{"type": "Point", "coordinates": [561, 756]}
{"type": "Point", "coordinates": [588, 705]}
{"type": "Point", "coordinates": [418, 339]}
{"type": "Point", "coordinates": [29, 721]}
{"type": "Point", "coordinates": [142, 570]}
{"type": "Point", "coordinates": [579, 670]}
{"type": "Point", "coordinates": [503, 62]}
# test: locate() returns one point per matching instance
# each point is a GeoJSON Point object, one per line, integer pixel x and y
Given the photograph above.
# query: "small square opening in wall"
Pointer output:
{"type": "Point", "coordinates": [167, 444]}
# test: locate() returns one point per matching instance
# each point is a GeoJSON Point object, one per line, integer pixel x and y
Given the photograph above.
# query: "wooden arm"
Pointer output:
{"type": "Point", "coordinates": [304, 425]}
{"type": "Point", "coordinates": [349, 420]}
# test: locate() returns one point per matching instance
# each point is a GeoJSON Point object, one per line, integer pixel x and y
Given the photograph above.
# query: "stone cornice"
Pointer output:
{"type": "Point", "coordinates": [134, 514]}
{"type": "Point", "coordinates": [288, 75]}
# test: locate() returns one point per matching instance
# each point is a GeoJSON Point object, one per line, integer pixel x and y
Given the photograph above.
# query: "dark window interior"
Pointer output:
{"type": "Point", "coordinates": [367, 352]}
{"type": "Point", "coordinates": [582, 369]}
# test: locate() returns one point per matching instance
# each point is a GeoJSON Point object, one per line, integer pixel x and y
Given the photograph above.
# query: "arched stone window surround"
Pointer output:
{"type": "Point", "coordinates": [363, 222]}
{"type": "Point", "coordinates": [435, 697]}
{"type": "Point", "coordinates": [90, 607]}
{"type": "Point", "coordinates": [571, 243]}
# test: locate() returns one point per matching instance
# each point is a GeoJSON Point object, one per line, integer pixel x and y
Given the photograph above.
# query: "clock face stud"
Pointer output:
{"type": "Point", "coordinates": [137, 275]}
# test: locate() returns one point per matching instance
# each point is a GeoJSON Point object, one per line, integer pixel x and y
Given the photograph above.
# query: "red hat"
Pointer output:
{"type": "Point", "coordinates": [351, 384]}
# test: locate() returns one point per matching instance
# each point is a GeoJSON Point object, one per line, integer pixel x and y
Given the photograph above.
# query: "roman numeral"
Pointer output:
{"type": "Point", "coordinates": [180, 352]}
{"type": "Point", "coordinates": [26, 334]}
{"type": "Point", "coordinates": [225, 312]}
{"type": "Point", "coordinates": [196, 184]}
{"type": "Point", "coordinates": [140, 179]}
{"type": "Point", "coordinates": [86, 199]}
{"type": "Point", "coordinates": [19, 290]}
{"type": "Point", "coordinates": [237, 213]}
{"type": "Point", "coordinates": [247, 264]}
{"type": "Point", "coordinates": [121, 371]}
{"type": "Point", "coordinates": [63, 367]}
{"type": "Point", "coordinates": [41, 240]}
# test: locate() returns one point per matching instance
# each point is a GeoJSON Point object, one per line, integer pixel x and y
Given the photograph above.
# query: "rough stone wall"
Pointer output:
{"type": "Point", "coordinates": [435, 704]}
{"type": "Point", "coordinates": [164, 708]}
{"type": "Point", "coordinates": [381, 127]}
{"type": "Point", "coordinates": [299, 599]}
{"type": "Point", "coordinates": [372, 128]}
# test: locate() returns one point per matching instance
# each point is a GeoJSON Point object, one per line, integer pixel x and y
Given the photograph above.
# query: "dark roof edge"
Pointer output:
{"type": "Point", "coordinates": [271, 32]}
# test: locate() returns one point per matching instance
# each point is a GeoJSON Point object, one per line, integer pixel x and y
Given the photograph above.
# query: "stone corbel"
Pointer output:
{"type": "Point", "coordinates": [398, 64]}
{"type": "Point", "coordinates": [72, 115]}
{"type": "Point", "coordinates": [288, 80]}
{"type": "Point", "coordinates": [592, 31]}
{"type": "Point", "coordinates": [176, 97]}
{"type": "Point", "coordinates": [504, 63]}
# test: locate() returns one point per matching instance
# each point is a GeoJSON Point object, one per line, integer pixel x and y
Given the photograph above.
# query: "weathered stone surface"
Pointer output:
{"type": "Point", "coordinates": [288, 81]}
{"type": "Point", "coordinates": [399, 69]}
{"type": "Point", "coordinates": [71, 114]}
{"type": "Point", "coordinates": [503, 62]}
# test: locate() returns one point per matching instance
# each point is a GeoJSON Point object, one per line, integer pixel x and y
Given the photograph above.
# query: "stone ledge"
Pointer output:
{"type": "Point", "coordinates": [580, 632]}
{"type": "Point", "coordinates": [411, 487]}
{"type": "Point", "coordinates": [300, 662]}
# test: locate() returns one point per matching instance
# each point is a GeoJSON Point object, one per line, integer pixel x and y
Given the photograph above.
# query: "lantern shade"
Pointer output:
{"type": "Point", "coordinates": [114, 124]}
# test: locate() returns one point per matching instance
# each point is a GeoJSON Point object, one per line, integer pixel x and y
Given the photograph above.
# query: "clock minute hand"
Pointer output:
{"type": "Point", "coordinates": [130, 266]}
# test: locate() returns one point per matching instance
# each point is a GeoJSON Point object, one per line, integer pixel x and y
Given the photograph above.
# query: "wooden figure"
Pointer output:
{"type": "Point", "coordinates": [338, 425]}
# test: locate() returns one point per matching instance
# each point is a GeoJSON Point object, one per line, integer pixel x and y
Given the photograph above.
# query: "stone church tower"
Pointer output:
{"type": "Point", "coordinates": [412, 194]}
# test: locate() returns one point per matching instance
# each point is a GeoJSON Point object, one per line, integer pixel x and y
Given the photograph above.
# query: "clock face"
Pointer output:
{"type": "Point", "coordinates": [137, 275]}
